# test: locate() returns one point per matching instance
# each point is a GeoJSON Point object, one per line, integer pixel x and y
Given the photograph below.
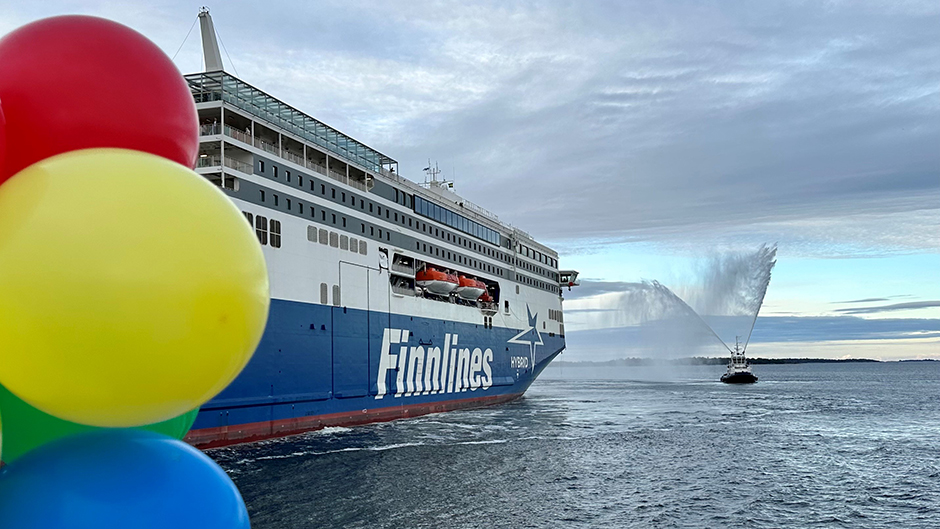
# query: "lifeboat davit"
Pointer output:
{"type": "Point", "coordinates": [436, 282]}
{"type": "Point", "coordinates": [470, 288]}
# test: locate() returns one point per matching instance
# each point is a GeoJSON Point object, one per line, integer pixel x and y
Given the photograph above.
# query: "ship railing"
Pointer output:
{"type": "Point", "coordinates": [291, 157]}
{"type": "Point", "coordinates": [338, 176]}
{"type": "Point", "coordinates": [208, 161]}
{"type": "Point", "coordinates": [209, 129]}
{"type": "Point", "coordinates": [358, 185]}
{"type": "Point", "coordinates": [477, 209]}
{"type": "Point", "coordinates": [243, 137]}
{"type": "Point", "coordinates": [523, 233]}
{"type": "Point", "coordinates": [268, 147]}
{"type": "Point", "coordinates": [238, 165]}
{"type": "Point", "coordinates": [316, 167]}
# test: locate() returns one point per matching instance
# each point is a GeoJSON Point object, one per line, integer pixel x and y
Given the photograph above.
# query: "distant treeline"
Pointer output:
{"type": "Point", "coordinates": [704, 360]}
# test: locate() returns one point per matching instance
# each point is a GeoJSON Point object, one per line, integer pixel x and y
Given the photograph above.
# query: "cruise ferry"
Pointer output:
{"type": "Point", "coordinates": [389, 298]}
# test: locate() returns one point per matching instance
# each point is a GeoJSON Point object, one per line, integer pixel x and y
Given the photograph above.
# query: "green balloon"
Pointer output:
{"type": "Point", "coordinates": [25, 427]}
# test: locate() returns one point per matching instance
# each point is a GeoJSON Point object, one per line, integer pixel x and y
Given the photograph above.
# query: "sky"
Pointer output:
{"type": "Point", "coordinates": [643, 140]}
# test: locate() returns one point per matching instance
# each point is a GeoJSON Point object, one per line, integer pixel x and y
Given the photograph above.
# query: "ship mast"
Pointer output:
{"type": "Point", "coordinates": [210, 46]}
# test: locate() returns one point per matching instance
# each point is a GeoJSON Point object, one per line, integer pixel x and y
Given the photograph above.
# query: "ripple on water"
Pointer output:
{"type": "Point", "coordinates": [856, 448]}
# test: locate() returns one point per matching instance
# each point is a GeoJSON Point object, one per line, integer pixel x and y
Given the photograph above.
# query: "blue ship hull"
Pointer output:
{"type": "Point", "coordinates": [319, 366]}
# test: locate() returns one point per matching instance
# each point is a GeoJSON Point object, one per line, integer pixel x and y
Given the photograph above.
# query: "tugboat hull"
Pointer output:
{"type": "Point", "coordinates": [739, 378]}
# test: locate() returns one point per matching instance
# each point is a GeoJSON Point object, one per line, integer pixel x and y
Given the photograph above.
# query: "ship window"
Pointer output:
{"type": "Point", "coordinates": [343, 242]}
{"type": "Point", "coordinates": [275, 198]}
{"type": "Point", "coordinates": [261, 229]}
{"type": "Point", "coordinates": [334, 218]}
{"type": "Point", "coordinates": [417, 245]}
{"type": "Point", "coordinates": [324, 236]}
{"type": "Point", "coordinates": [372, 231]}
{"type": "Point", "coordinates": [344, 198]}
{"type": "Point", "coordinates": [380, 233]}
{"type": "Point", "coordinates": [363, 226]}
{"type": "Point", "coordinates": [287, 175]}
{"type": "Point", "coordinates": [288, 204]}
{"type": "Point", "coordinates": [333, 192]}
{"type": "Point", "coordinates": [323, 215]}
{"type": "Point", "coordinates": [324, 293]}
{"type": "Point", "coordinates": [344, 222]}
{"type": "Point", "coordinates": [424, 248]}
{"type": "Point", "coordinates": [275, 233]}
{"type": "Point", "coordinates": [386, 213]}
{"type": "Point", "coordinates": [322, 189]}
{"type": "Point", "coordinates": [363, 249]}
{"type": "Point", "coordinates": [312, 233]}
{"type": "Point", "coordinates": [388, 236]}
{"type": "Point", "coordinates": [250, 217]}
{"type": "Point", "coordinates": [362, 204]}
{"type": "Point", "coordinates": [370, 207]}
{"type": "Point", "coordinates": [300, 205]}
{"type": "Point", "coordinates": [262, 194]}
{"type": "Point", "coordinates": [274, 167]}
{"type": "Point", "coordinates": [300, 181]}
{"type": "Point", "coordinates": [379, 210]}
{"type": "Point", "coordinates": [409, 222]}
{"type": "Point", "coordinates": [396, 217]}
{"type": "Point", "coordinates": [312, 185]}
{"type": "Point", "coordinates": [353, 244]}
{"type": "Point", "coordinates": [506, 306]}
{"type": "Point", "coordinates": [334, 239]}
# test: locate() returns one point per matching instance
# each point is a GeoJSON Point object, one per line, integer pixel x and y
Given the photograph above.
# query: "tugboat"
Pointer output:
{"type": "Point", "coordinates": [739, 371]}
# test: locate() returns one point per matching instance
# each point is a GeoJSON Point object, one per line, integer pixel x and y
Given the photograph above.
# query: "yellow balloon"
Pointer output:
{"type": "Point", "coordinates": [131, 289]}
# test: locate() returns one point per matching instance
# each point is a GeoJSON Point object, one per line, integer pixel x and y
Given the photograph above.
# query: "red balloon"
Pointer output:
{"type": "Point", "coordinates": [3, 139]}
{"type": "Point", "coordinates": [78, 82]}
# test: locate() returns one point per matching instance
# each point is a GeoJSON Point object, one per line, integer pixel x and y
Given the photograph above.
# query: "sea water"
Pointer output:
{"type": "Point", "coordinates": [810, 445]}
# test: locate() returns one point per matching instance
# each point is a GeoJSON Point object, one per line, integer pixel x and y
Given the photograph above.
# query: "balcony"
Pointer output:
{"type": "Point", "coordinates": [246, 138]}
{"type": "Point", "coordinates": [243, 137]}
{"type": "Point", "coordinates": [239, 165]}
{"type": "Point", "coordinates": [208, 161]}
{"type": "Point", "coordinates": [217, 161]}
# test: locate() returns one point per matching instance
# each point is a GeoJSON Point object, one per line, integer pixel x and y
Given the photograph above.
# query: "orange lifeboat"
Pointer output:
{"type": "Point", "coordinates": [436, 282]}
{"type": "Point", "coordinates": [470, 288]}
{"type": "Point", "coordinates": [486, 297]}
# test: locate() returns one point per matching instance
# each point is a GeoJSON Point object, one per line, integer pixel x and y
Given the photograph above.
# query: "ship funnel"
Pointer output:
{"type": "Point", "coordinates": [210, 46]}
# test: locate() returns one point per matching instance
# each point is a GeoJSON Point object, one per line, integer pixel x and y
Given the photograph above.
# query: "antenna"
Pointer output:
{"type": "Point", "coordinates": [210, 46]}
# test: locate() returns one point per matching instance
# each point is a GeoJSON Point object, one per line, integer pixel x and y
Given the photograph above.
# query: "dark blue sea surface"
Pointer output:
{"type": "Point", "coordinates": [810, 445]}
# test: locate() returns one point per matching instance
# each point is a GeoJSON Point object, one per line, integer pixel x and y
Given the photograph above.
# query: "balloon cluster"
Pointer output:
{"type": "Point", "coordinates": [131, 289]}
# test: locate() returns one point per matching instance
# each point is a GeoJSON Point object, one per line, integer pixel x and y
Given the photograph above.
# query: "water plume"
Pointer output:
{"type": "Point", "coordinates": [649, 319]}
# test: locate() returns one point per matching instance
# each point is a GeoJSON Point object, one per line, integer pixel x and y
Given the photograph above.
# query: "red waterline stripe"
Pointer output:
{"type": "Point", "coordinates": [256, 431]}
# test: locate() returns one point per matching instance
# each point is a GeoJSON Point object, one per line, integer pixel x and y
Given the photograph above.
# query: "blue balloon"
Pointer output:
{"type": "Point", "coordinates": [119, 479]}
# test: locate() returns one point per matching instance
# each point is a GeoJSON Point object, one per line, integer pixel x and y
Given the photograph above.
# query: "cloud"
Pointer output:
{"type": "Point", "coordinates": [868, 300]}
{"type": "Point", "coordinates": [889, 308]}
{"type": "Point", "coordinates": [814, 125]}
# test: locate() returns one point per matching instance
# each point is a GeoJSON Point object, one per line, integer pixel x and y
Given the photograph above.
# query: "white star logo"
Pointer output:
{"type": "Point", "coordinates": [533, 328]}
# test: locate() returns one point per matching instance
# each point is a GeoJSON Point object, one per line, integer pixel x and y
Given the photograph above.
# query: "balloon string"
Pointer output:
{"type": "Point", "coordinates": [184, 40]}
